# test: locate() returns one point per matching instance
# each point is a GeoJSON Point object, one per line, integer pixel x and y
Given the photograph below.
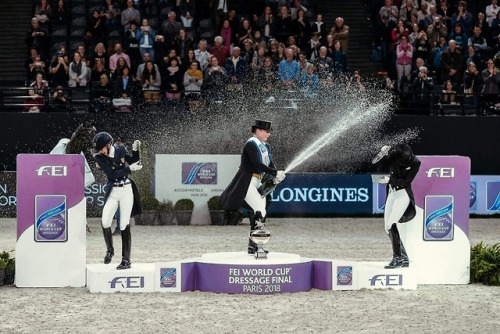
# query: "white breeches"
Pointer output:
{"type": "Point", "coordinates": [122, 196]}
{"type": "Point", "coordinates": [395, 206]}
{"type": "Point", "coordinates": [254, 198]}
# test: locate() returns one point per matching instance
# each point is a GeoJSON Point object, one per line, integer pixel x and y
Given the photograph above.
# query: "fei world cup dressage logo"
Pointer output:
{"type": "Point", "coordinates": [493, 196]}
{"type": "Point", "coordinates": [50, 218]}
{"type": "Point", "coordinates": [199, 173]}
{"type": "Point", "coordinates": [438, 225]}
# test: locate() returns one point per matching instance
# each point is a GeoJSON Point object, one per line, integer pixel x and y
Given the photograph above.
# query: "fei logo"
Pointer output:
{"type": "Point", "coordinates": [130, 282]}
{"type": "Point", "coordinates": [442, 172]}
{"type": "Point", "coordinates": [387, 280]}
{"type": "Point", "coordinates": [493, 196]}
{"type": "Point", "coordinates": [52, 171]}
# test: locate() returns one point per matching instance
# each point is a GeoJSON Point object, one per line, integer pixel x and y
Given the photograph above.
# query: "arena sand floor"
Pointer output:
{"type": "Point", "coordinates": [472, 308]}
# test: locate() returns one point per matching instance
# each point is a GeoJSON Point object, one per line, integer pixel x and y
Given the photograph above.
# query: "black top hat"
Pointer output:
{"type": "Point", "coordinates": [259, 124]}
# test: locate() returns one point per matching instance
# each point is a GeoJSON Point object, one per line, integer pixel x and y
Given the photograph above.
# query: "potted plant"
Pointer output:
{"type": "Point", "coordinates": [166, 213]}
{"type": "Point", "coordinates": [234, 217]}
{"type": "Point", "coordinates": [183, 211]}
{"type": "Point", "coordinates": [7, 268]}
{"type": "Point", "coordinates": [150, 206]}
{"type": "Point", "coordinates": [217, 212]}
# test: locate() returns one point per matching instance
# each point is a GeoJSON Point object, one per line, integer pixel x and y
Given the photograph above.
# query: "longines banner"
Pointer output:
{"type": "Point", "coordinates": [323, 194]}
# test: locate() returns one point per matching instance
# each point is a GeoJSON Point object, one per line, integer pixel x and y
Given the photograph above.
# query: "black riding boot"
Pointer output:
{"type": "Point", "coordinates": [252, 246]}
{"type": "Point", "coordinates": [126, 248]}
{"type": "Point", "coordinates": [396, 248]}
{"type": "Point", "coordinates": [405, 261]}
{"type": "Point", "coordinates": [108, 239]}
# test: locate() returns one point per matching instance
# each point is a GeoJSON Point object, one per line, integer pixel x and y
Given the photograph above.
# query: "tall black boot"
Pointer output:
{"type": "Point", "coordinates": [396, 248]}
{"type": "Point", "coordinates": [126, 249]}
{"type": "Point", "coordinates": [252, 246]}
{"type": "Point", "coordinates": [405, 261]}
{"type": "Point", "coordinates": [108, 239]}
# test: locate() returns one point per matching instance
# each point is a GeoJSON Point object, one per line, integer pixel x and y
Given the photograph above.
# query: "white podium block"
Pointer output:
{"type": "Point", "coordinates": [373, 275]}
{"type": "Point", "coordinates": [106, 278]}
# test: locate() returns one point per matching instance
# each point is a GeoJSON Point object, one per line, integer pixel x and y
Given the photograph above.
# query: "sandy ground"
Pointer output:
{"type": "Point", "coordinates": [472, 308]}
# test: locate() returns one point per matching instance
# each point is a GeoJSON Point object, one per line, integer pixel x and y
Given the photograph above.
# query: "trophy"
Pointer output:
{"type": "Point", "coordinates": [260, 237]}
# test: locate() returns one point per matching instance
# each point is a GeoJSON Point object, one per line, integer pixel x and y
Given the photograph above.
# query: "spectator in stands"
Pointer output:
{"type": "Point", "coordinates": [473, 84]}
{"type": "Point", "coordinates": [324, 64]}
{"type": "Point", "coordinates": [150, 78]}
{"type": "Point", "coordinates": [419, 62]}
{"type": "Point", "coordinates": [187, 9]}
{"type": "Point", "coordinates": [120, 65]}
{"type": "Point", "coordinates": [202, 55]}
{"type": "Point", "coordinates": [266, 24]}
{"type": "Point", "coordinates": [288, 71]}
{"type": "Point", "coordinates": [161, 49]}
{"type": "Point", "coordinates": [445, 11]}
{"type": "Point", "coordinates": [38, 66]}
{"type": "Point", "coordinates": [95, 32]}
{"type": "Point", "coordinates": [309, 81]}
{"type": "Point", "coordinates": [101, 95]}
{"type": "Point", "coordinates": [59, 70]}
{"type": "Point", "coordinates": [172, 79]}
{"type": "Point", "coordinates": [245, 32]}
{"type": "Point", "coordinates": [111, 11]}
{"type": "Point", "coordinates": [219, 50]}
{"type": "Point", "coordinates": [221, 12]}
{"type": "Point", "coordinates": [495, 28]}
{"type": "Point", "coordinates": [236, 69]}
{"type": "Point", "coordinates": [479, 43]}
{"type": "Point", "coordinates": [422, 49]}
{"type": "Point", "coordinates": [146, 37]}
{"type": "Point", "coordinates": [329, 43]}
{"type": "Point", "coordinates": [462, 17]}
{"type": "Point", "coordinates": [433, 14]}
{"type": "Point", "coordinates": [301, 29]}
{"type": "Point", "coordinates": [448, 94]}
{"type": "Point", "coordinates": [38, 38]}
{"type": "Point", "coordinates": [491, 80]}
{"type": "Point", "coordinates": [113, 59]}
{"type": "Point", "coordinates": [436, 30]}
{"type": "Point", "coordinates": [320, 27]}
{"type": "Point", "coordinates": [312, 47]}
{"type": "Point", "coordinates": [390, 11]}
{"type": "Point", "coordinates": [407, 10]}
{"type": "Point", "coordinates": [340, 32]}
{"type": "Point", "coordinates": [124, 85]}
{"type": "Point", "coordinates": [193, 80]}
{"type": "Point", "coordinates": [170, 28]}
{"type": "Point", "coordinates": [98, 70]}
{"type": "Point", "coordinates": [295, 7]}
{"type": "Point", "coordinates": [384, 36]}
{"type": "Point", "coordinates": [132, 45]}
{"type": "Point", "coordinates": [83, 53]}
{"type": "Point", "coordinates": [339, 58]}
{"type": "Point", "coordinates": [423, 16]}
{"type": "Point", "coordinates": [459, 36]}
{"type": "Point", "coordinates": [140, 69]}
{"type": "Point", "coordinates": [43, 12]}
{"type": "Point", "coordinates": [257, 63]}
{"type": "Point", "coordinates": [29, 63]}
{"type": "Point", "coordinates": [354, 84]}
{"type": "Point", "coordinates": [61, 14]}
{"type": "Point", "coordinates": [399, 31]}
{"type": "Point", "coordinates": [480, 22]}
{"type": "Point", "coordinates": [35, 101]}
{"type": "Point", "coordinates": [492, 12]}
{"type": "Point", "coordinates": [422, 87]}
{"type": "Point", "coordinates": [283, 24]}
{"type": "Point", "coordinates": [436, 57]}
{"type": "Point", "coordinates": [414, 35]}
{"type": "Point", "coordinates": [452, 64]}
{"type": "Point", "coordinates": [59, 102]}
{"type": "Point", "coordinates": [99, 54]}
{"type": "Point", "coordinates": [130, 14]}
{"type": "Point", "coordinates": [303, 62]}
{"type": "Point", "coordinates": [268, 76]}
{"type": "Point", "coordinates": [183, 43]}
{"type": "Point", "coordinates": [186, 62]}
{"type": "Point", "coordinates": [472, 57]}
{"type": "Point", "coordinates": [214, 81]}
{"type": "Point", "coordinates": [227, 34]}
{"type": "Point", "coordinates": [247, 53]}
{"type": "Point", "coordinates": [78, 71]}
{"type": "Point", "coordinates": [404, 54]}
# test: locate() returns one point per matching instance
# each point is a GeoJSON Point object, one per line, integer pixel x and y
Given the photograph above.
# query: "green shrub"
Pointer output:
{"type": "Point", "coordinates": [485, 264]}
{"type": "Point", "coordinates": [184, 204]}
{"type": "Point", "coordinates": [166, 207]}
{"type": "Point", "coordinates": [149, 202]}
{"type": "Point", "coordinates": [6, 261]}
{"type": "Point", "coordinates": [214, 204]}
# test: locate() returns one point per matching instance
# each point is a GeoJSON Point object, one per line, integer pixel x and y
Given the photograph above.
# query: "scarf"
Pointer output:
{"type": "Point", "coordinates": [172, 69]}
{"type": "Point", "coordinates": [195, 73]}
{"type": "Point", "coordinates": [77, 68]}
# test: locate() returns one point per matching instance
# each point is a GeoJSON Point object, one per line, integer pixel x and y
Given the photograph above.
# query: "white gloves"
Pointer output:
{"type": "Point", "coordinates": [135, 166]}
{"type": "Point", "coordinates": [384, 179]}
{"type": "Point", "coordinates": [136, 145]}
{"type": "Point", "coordinates": [280, 176]}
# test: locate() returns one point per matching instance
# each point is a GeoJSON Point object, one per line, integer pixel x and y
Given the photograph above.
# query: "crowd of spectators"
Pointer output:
{"type": "Point", "coordinates": [451, 47]}
{"type": "Point", "coordinates": [159, 50]}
